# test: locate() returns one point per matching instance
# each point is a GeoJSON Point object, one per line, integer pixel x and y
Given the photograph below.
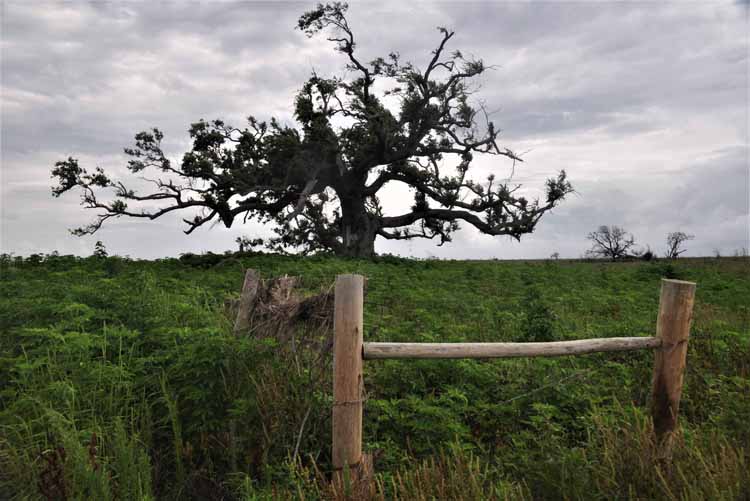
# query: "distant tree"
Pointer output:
{"type": "Point", "coordinates": [675, 241]}
{"type": "Point", "coordinates": [610, 242]}
{"type": "Point", "coordinates": [555, 255]}
{"type": "Point", "coordinates": [100, 250]}
{"type": "Point", "coordinates": [320, 183]}
{"type": "Point", "coordinates": [245, 244]}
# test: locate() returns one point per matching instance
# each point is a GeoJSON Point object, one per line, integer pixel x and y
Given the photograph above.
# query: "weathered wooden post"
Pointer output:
{"type": "Point", "coordinates": [673, 328]}
{"type": "Point", "coordinates": [348, 386]}
{"type": "Point", "coordinates": [247, 298]}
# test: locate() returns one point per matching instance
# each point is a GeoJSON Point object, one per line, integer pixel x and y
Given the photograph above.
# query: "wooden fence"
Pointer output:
{"type": "Point", "coordinates": [350, 350]}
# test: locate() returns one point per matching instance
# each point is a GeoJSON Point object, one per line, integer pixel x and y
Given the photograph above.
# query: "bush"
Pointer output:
{"type": "Point", "coordinates": [207, 260]}
{"type": "Point", "coordinates": [539, 321]}
{"type": "Point", "coordinates": [648, 255]}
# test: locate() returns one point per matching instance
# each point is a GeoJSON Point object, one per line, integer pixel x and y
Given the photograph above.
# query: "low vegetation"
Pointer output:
{"type": "Point", "coordinates": [121, 379]}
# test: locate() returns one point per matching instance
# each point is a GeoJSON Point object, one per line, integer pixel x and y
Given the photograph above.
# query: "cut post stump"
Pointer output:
{"type": "Point", "coordinates": [247, 300]}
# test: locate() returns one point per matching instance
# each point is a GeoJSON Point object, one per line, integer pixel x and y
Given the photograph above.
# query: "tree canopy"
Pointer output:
{"type": "Point", "coordinates": [319, 182]}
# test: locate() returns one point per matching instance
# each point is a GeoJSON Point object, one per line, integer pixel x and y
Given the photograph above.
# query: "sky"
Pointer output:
{"type": "Point", "coordinates": [645, 105]}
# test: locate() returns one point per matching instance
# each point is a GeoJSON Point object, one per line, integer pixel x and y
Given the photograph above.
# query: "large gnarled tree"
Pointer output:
{"type": "Point", "coordinates": [320, 182]}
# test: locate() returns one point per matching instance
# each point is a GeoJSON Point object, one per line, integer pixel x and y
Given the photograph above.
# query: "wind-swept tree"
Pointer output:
{"type": "Point", "coordinates": [675, 242]}
{"type": "Point", "coordinates": [320, 182]}
{"type": "Point", "coordinates": [610, 242]}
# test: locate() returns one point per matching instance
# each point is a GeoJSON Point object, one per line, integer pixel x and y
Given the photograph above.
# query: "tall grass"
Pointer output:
{"type": "Point", "coordinates": [617, 461]}
{"type": "Point", "coordinates": [125, 382]}
{"type": "Point", "coordinates": [453, 474]}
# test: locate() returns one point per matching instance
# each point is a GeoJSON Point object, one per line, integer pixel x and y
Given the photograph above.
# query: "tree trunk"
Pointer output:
{"type": "Point", "coordinates": [358, 228]}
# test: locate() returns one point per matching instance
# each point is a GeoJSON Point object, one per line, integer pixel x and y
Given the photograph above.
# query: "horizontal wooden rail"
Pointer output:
{"type": "Point", "coordinates": [670, 346]}
{"type": "Point", "coordinates": [505, 350]}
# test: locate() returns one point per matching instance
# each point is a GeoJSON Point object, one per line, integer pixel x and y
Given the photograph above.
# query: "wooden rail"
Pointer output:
{"type": "Point", "coordinates": [349, 351]}
{"type": "Point", "coordinates": [375, 351]}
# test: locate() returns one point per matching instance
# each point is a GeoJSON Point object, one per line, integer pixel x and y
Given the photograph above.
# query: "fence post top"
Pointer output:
{"type": "Point", "coordinates": [680, 283]}
{"type": "Point", "coordinates": [349, 276]}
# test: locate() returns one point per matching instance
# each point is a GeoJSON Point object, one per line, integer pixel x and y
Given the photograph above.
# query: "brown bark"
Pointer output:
{"type": "Point", "coordinates": [359, 228]}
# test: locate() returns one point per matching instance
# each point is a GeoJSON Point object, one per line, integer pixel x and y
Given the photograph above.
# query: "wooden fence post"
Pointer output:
{"type": "Point", "coordinates": [348, 387]}
{"type": "Point", "coordinates": [247, 298]}
{"type": "Point", "coordinates": [673, 328]}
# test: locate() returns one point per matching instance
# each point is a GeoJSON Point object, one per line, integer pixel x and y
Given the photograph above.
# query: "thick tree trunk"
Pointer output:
{"type": "Point", "coordinates": [358, 228]}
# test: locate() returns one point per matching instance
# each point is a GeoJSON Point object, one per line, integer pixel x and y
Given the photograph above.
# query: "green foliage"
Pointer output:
{"type": "Point", "coordinates": [128, 384]}
{"type": "Point", "coordinates": [538, 323]}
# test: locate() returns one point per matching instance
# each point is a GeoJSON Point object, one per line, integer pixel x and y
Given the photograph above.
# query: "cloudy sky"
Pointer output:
{"type": "Point", "coordinates": [644, 104]}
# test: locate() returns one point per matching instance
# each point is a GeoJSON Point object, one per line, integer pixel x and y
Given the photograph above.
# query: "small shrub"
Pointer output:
{"type": "Point", "coordinates": [656, 270]}
{"type": "Point", "coordinates": [539, 322]}
{"type": "Point", "coordinates": [112, 266]}
{"type": "Point", "coordinates": [205, 261]}
{"type": "Point", "coordinates": [647, 255]}
{"type": "Point", "coordinates": [100, 250]}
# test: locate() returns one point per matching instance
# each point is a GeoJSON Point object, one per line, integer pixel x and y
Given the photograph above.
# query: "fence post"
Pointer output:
{"type": "Point", "coordinates": [348, 387]}
{"type": "Point", "coordinates": [673, 328]}
{"type": "Point", "coordinates": [247, 299]}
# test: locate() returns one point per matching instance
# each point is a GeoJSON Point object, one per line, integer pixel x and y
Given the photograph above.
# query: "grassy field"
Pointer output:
{"type": "Point", "coordinates": [121, 379]}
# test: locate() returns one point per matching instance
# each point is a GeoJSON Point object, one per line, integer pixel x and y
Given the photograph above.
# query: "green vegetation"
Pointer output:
{"type": "Point", "coordinates": [121, 379]}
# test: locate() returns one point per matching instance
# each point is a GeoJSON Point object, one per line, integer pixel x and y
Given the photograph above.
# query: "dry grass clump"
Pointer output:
{"type": "Point", "coordinates": [454, 475]}
{"type": "Point", "coordinates": [624, 459]}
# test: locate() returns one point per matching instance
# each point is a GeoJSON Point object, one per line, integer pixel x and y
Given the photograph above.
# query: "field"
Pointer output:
{"type": "Point", "coordinates": [122, 379]}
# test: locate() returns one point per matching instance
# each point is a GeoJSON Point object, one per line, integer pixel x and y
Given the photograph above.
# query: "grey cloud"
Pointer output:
{"type": "Point", "coordinates": [113, 65]}
{"type": "Point", "coordinates": [639, 102]}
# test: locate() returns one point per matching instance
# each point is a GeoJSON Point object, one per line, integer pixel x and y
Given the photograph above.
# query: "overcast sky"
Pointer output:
{"type": "Point", "coordinates": [645, 105]}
